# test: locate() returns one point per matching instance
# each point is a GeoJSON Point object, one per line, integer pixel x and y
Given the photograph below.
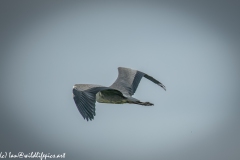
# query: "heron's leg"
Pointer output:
{"type": "Point", "coordinates": [146, 104]}
{"type": "Point", "coordinates": [132, 100]}
{"type": "Point", "coordinates": [141, 103]}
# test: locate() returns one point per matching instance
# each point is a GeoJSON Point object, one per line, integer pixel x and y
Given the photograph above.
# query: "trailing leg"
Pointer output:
{"type": "Point", "coordinates": [141, 103]}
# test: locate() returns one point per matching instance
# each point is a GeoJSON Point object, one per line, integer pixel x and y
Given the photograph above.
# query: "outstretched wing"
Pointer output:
{"type": "Point", "coordinates": [128, 80]}
{"type": "Point", "coordinates": [84, 96]}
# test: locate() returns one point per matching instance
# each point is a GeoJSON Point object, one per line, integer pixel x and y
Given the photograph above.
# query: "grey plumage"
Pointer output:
{"type": "Point", "coordinates": [121, 91]}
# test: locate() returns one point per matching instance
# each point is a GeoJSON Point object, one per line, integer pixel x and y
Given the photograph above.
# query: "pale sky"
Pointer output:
{"type": "Point", "coordinates": [50, 46]}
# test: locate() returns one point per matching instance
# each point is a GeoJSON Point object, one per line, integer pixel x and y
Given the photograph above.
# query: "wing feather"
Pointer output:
{"type": "Point", "coordinates": [129, 79]}
{"type": "Point", "coordinates": [84, 96]}
{"type": "Point", "coordinates": [155, 81]}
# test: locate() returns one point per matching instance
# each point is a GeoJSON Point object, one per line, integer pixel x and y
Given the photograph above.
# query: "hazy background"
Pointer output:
{"type": "Point", "coordinates": [191, 47]}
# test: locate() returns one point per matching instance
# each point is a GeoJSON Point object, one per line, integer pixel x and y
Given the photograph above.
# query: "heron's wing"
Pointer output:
{"type": "Point", "coordinates": [128, 80]}
{"type": "Point", "coordinates": [84, 96]}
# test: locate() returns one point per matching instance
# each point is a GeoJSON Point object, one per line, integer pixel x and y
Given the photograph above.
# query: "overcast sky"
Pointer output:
{"type": "Point", "coordinates": [192, 48]}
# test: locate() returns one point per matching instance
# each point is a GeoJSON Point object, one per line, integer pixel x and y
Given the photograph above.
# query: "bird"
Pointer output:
{"type": "Point", "coordinates": [120, 92]}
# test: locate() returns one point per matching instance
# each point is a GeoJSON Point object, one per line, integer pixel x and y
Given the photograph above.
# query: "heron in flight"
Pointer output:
{"type": "Point", "coordinates": [121, 91]}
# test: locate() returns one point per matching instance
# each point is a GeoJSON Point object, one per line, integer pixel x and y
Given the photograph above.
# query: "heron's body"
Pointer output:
{"type": "Point", "coordinates": [109, 97]}
{"type": "Point", "coordinates": [121, 91]}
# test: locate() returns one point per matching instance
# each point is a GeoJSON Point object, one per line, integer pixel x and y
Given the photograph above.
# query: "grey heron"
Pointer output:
{"type": "Point", "coordinates": [121, 91]}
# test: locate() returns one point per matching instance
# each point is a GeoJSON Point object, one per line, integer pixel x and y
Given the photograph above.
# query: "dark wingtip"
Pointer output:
{"type": "Point", "coordinates": [161, 85]}
{"type": "Point", "coordinates": [89, 118]}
